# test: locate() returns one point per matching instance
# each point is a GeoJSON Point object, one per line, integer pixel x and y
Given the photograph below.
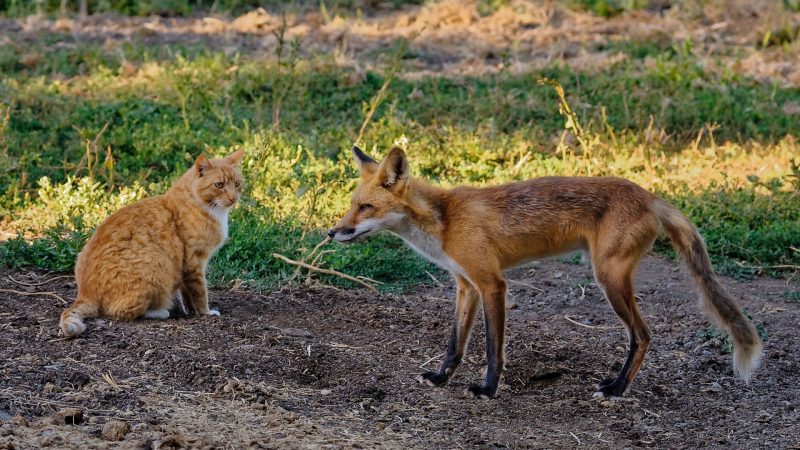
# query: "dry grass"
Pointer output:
{"type": "Point", "coordinates": [450, 37]}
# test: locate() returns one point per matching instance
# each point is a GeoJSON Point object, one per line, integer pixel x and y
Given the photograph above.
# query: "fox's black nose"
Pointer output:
{"type": "Point", "coordinates": [331, 233]}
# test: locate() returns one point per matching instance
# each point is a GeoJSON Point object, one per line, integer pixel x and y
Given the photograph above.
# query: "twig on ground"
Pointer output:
{"type": "Point", "coordinates": [108, 378]}
{"type": "Point", "coordinates": [51, 294]}
{"type": "Point", "coordinates": [434, 278]}
{"type": "Point", "coordinates": [651, 413]}
{"type": "Point", "coordinates": [592, 327]}
{"type": "Point", "coordinates": [309, 255]}
{"type": "Point", "coordinates": [422, 366]}
{"type": "Point", "coordinates": [369, 280]}
{"type": "Point", "coordinates": [775, 266]}
{"type": "Point", "coordinates": [326, 271]}
{"type": "Point", "coordinates": [526, 285]}
{"type": "Point", "coordinates": [40, 283]}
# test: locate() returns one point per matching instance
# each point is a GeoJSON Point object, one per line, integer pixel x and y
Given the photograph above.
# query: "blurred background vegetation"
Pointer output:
{"type": "Point", "coordinates": [694, 100]}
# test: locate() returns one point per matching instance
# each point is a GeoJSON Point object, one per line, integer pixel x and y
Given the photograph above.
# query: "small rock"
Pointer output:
{"type": "Point", "coordinates": [20, 421]}
{"type": "Point", "coordinates": [115, 430]}
{"type": "Point", "coordinates": [70, 416]}
{"type": "Point", "coordinates": [764, 416]}
{"type": "Point", "coordinates": [4, 416]}
{"type": "Point", "coordinates": [512, 306]}
{"type": "Point", "coordinates": [297, 332]}
{"type": "Point", "coordinates": [558, 274]}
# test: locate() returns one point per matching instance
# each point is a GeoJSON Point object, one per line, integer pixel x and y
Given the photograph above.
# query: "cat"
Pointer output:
{"type": "Point", "coordinates": [143, 254]}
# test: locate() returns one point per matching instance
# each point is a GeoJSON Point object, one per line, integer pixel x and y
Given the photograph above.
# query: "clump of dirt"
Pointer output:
{"type": "Point", "coordinates": [320, 366]}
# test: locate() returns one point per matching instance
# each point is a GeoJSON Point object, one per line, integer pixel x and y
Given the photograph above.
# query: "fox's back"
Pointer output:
{"type": "Point", "coordinates": [544, 215]}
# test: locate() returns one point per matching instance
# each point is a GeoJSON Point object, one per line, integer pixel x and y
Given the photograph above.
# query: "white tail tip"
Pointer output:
{"type": "Point", "coordinates": [746, 361]}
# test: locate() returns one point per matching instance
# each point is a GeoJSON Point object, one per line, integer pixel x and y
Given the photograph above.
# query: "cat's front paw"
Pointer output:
{"type": "Point", "coordinates": [212, 313]}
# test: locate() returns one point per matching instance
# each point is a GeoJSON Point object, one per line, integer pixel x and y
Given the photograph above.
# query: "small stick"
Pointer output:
{"type": "Point", "coordinates": [304, 258]}
{"type": "Point", "coordinates": [52, 294]}
{"type": "Point", "coordinates": [576, 438]}
{"type": "Point", "coordinates": [592, 327]}
{"type": "Point", "coordinates": [369, 280]}
{"type": "Point", "coordinates": [434, 278]}
{"type": "Point", "coordinates": [327, 271]}
{"type": "Point", "coordinates": [41, 283]}
{"type": "Point", "coordinates": [777, 266]}
{"type": "Point", "coordinates": [422, 366]}
{"type": "Point", "coordinates": [526, 285]}
{"type": "Point", "coordinates": [315, 262]}
{"type": "Point", "coordinates": [651, 413]}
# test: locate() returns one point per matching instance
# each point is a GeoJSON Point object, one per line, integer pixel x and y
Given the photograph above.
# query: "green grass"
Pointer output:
{"type": "Point", "coordinates": [717, 338]}
{"type": "Point", "coordinates": [158, 108]}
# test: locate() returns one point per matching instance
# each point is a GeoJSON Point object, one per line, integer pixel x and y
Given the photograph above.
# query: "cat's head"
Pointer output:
{"type": "Point", "coordinates": [217, 183]}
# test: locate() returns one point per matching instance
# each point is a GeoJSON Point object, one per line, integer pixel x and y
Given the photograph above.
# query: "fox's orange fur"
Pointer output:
{"type": "Point", "coordinates": [142, 255]}
{"type": "Point", "coordinates": [476, 233]}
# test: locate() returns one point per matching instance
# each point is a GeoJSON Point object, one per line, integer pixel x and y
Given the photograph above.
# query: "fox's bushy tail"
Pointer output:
{"type": "Point", "coordinates": [71, 323]}
{"type": "Point", "coordinates": [716, 301]}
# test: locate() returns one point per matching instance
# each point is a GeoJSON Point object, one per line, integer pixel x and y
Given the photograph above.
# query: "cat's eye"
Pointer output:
{"type": "Point", "coordinates": [364, 207]}
{"type": "Point", "coordinates": [219, 185]}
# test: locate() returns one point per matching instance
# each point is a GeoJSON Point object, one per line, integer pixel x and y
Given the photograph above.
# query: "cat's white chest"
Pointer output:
{"type": "Point", "coordinates": [221, 216]}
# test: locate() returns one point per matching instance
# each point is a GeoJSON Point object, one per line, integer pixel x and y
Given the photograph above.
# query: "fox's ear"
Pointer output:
{"type": "Point", "coordinates": [393, 171]}
{"type": "Point", "coordinates": [202, 164]}
{"type": "Point", "coordinates": [367, 165]}
{"type": "Point", "coordinates": [235, 157]}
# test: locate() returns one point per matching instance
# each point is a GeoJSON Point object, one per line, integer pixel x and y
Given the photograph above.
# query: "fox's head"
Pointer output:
{"type": "Point", "coordinates": [379, 202]}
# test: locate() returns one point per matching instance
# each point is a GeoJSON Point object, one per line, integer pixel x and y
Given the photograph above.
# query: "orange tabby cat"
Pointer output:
{"type": "Point", "coordinates": [141, 255]}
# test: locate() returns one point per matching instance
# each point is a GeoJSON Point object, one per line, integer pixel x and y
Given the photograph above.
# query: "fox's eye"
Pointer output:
{"type": "Point", "coordinates": [219, 185]}
{"type": "Point", "coordinates": [238, 184]}
{"type": "Point", "coordinates": [364, 207]}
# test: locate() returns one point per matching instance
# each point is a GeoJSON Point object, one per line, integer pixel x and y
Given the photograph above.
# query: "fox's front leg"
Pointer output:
{"type": "Point", "coordinates": [493, 294]}
{"type": "Point", "coordinates": [466, 306]}
{"type": "Point", "coordinates": [195, 293]}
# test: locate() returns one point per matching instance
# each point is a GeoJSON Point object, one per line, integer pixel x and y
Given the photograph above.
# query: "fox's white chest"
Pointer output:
{"type": "Point", "coordinates": [431, 248]}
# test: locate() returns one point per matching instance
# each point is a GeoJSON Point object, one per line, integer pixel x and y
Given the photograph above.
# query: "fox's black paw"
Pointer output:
{"type": "Point", "coordinates": [610, 387]}
{"type": "Point", "coordinates": [481, 392]}
{"type": "Point", "coordinates": [433, 378]}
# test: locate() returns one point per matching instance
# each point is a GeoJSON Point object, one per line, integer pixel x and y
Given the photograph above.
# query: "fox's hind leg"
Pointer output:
{"type": "Point", "coordinates": [466, 306]}
{"type": "Point", "coordinates": [618, 288]}
{"type": "Point", "coordinates": [614, 265]}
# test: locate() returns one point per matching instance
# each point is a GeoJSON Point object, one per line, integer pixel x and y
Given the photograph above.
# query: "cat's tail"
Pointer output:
{"type": "Point", "coordinates": [71, 323]}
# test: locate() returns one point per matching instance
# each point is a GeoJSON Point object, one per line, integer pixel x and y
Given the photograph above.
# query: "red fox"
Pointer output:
{"type": "Point", "coordinates": [476, 233]}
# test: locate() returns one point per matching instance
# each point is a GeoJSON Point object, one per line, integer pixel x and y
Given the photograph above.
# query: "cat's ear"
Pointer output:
{"type": "Point", "coordinates": [202, 164]}
{"type": "Point", "coordinates": [235, 157]}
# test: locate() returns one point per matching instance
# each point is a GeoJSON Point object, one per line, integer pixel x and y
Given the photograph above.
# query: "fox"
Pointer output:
{"type": "Point", "coordinates": [475, 233]}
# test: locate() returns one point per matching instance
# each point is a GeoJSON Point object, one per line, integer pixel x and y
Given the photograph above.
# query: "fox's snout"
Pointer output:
{"type": "Point", "coordinates": [343, 231]}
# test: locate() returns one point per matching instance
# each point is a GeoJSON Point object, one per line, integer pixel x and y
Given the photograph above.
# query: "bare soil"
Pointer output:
{"type": "Point", "coordinates": [316, 366]}
{"type": "Point", "coordinates": [450, 37]}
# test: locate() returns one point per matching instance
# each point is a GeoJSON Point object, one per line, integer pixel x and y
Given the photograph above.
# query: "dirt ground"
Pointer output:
{"type": "Point", "coordinates": [316, 366]}
{"type": "Point", "coordinates": [451, 38]}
